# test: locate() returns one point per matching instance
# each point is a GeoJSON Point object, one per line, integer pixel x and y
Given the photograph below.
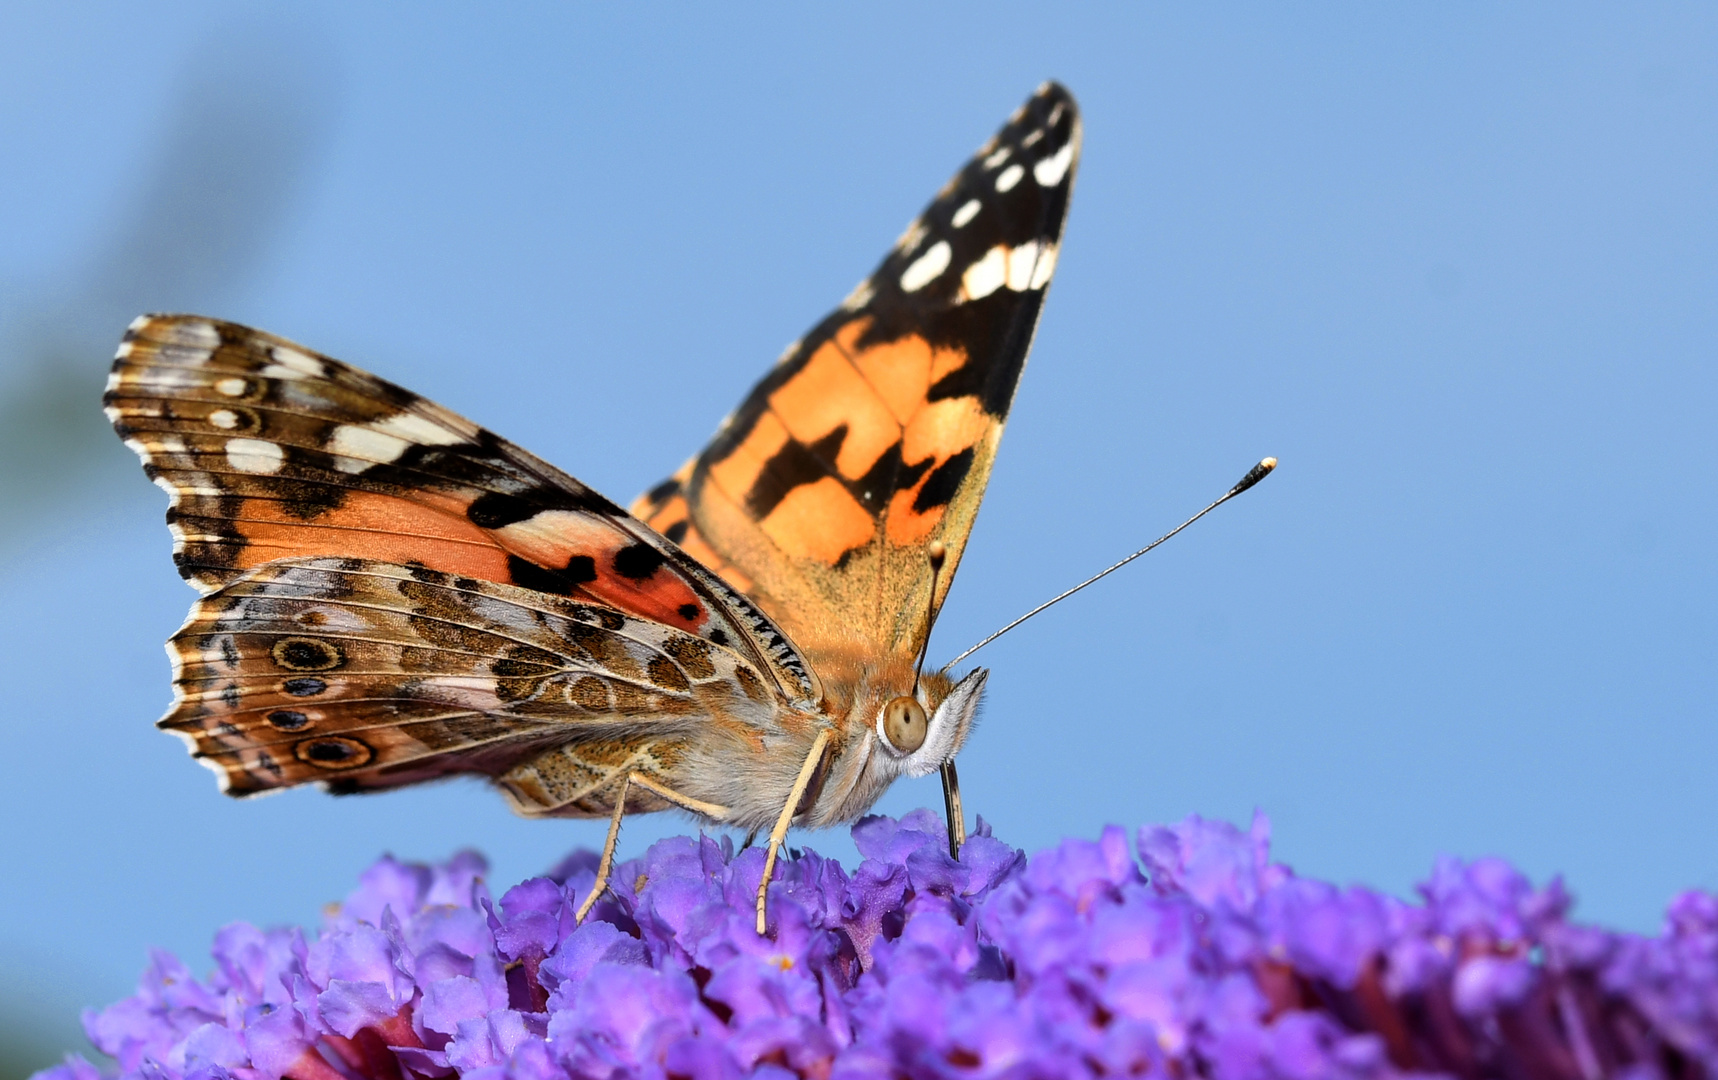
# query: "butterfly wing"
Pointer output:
{"type": "Point", "coordinates": [271, 451]}
{"type": "Point", "coordinates": [367, 675]}
{"type": "Point", "coordinates": [874, 434]}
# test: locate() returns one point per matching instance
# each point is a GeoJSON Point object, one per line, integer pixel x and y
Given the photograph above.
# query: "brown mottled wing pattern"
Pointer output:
{"type": "Point", "coordinates": [367, 675]}
{"type": "Point", "coordinates": [271, 451]}
{"type": "Point", "coordinates": [874, 434]}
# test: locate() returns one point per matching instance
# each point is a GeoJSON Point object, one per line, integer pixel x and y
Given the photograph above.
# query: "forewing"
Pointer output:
{"type": "Point", "coordinates": [270, 451]}
{"type": "Point", "coordinates": [367, 675]}
{"type": "Point", "coordinates": [874, 434]}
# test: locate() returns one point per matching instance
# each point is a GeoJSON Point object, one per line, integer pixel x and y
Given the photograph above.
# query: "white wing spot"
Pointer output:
{"type": "Point", "coordinates": [1032, 139]}
{"type": "Point", "coordinates": [927, 267]}
{"type": "Point", "coordinates": [1010, 176]}
{"type": "Point", "coordinates": [1028, 266]}
{"type": "Point", "coordinates": [1046, 266]}
{"type": "Point", "coordinates": [164, 381]}
{"type": "Point", "coordinates": [297, 361]}
{"type": "Point", "coordinates": [968, 210]}
{"type": "Point", "coordinates": [859, 297]}
{"type": "Point", "coordinates": [1050, 171]}
{"type": "Point", "coordinates": [911, 239]}
{"type": "Point", "coordinates": [357, 447]}
{"type": "Point", "coordinates": [254, 455]}
{"type": "Point", "coordinates": [125, 349]}
{"type": "Point", "coordinates": [987, 274]}
{"type": "Point", "coordinates": [196, 334]}
{"type": "Point", "coordinates": [113, 379]}
{"type": "Point", "coordinates": [182, 355]}
{"type": "Point", "coordinates": [173, 444]}
{"type": "Point", "coordinates": [231, 387]}
{"type": "Point", "coordinates": [998, 158]}
{"type": "Point", "coordinates": [418, 429]}
{"type": "Point", "coordinates": [1020, 262]}
{"type": "Point", "coordinates": [225, 419]}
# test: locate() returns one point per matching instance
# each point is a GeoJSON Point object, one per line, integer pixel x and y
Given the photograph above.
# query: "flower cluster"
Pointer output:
{"type": "Point", "coordinates": [1187, 953]}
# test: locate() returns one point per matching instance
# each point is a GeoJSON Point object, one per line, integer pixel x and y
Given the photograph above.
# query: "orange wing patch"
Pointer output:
{"type": "Point", "coordinates": [365, 526]}
{"type": "Point", "coordinates": [829, 395]}
{"type": "Point", "coordinates": [819, 521]}
{"type": "Point", "coordinates": [902, 372]}
{"type": "Point", "coordinates": [665, 509]}
{"type": "Point", "coordinates": [751, 465]}
{"type": "Point", "coordinates": [821, 465]}
{"type": "Point", "coordinates": [944, 438]}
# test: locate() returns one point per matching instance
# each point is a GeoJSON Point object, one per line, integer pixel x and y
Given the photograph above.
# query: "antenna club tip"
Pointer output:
{"type": "Point", "coordinates": [1254, 475]}
{"type": "Point", "coordinates": [936, 551]}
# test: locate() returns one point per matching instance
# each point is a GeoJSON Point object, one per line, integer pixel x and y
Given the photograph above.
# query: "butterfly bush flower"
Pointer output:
{"type": "Point", "coordinates": [1185, 952]}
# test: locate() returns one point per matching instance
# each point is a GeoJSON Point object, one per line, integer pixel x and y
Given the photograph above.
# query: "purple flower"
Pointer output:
{"type": "Point", "coordinates": [1188, 953]}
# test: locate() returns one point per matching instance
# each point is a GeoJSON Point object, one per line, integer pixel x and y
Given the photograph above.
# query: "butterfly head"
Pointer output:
{"type": "Point", "coordinates": [921, 729]}
{"type": "Point", "coordinates": [918, 733]}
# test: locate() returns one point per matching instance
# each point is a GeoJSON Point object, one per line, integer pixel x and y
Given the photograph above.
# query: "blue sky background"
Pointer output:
{"type": "Point", "coordinates": [1454, 265]}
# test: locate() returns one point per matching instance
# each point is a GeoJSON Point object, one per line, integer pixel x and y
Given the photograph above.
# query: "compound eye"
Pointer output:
{"type": "Point", "coordinates": [904, 724]}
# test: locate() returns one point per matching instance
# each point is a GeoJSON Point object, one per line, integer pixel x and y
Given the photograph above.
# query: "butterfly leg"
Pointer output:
{"type": "Point", "coordinates": [607, 863]}
{"type": "Point", "coordinates": [779, 833]}
{"type": "Point", "coordinates": [709, 810]}
{"type": "Point", "coordinates": [951, 804]}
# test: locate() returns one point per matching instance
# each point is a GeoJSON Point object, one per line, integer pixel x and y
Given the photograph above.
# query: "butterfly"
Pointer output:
{"type": "Point", "coordinates": [392, 594]}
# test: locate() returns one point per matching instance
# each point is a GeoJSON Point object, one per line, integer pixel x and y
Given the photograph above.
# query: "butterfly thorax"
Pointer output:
{"type": "Point", "coordinates": [748, 765]}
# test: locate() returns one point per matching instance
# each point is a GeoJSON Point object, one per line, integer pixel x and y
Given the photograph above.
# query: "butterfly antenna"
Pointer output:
{"type": "Point", "coordinates": [937, 552]}
{"type": "Point", "coordinates": [1254, 475]}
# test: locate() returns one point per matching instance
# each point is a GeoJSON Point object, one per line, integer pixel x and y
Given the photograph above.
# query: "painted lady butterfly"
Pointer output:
{"type": "Point", "coordinates": [392, 593]}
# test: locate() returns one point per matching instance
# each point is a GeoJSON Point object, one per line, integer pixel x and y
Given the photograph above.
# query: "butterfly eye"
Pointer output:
{"type": "Point", "coordinates": [904, 725]}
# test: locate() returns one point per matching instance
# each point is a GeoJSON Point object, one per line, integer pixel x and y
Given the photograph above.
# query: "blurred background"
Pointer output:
{"type": "Point", "coordinates": [1455, 266]}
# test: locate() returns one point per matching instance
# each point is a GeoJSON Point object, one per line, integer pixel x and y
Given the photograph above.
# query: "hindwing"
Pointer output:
{"type": "Point", "coordinates": [366, 675]}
